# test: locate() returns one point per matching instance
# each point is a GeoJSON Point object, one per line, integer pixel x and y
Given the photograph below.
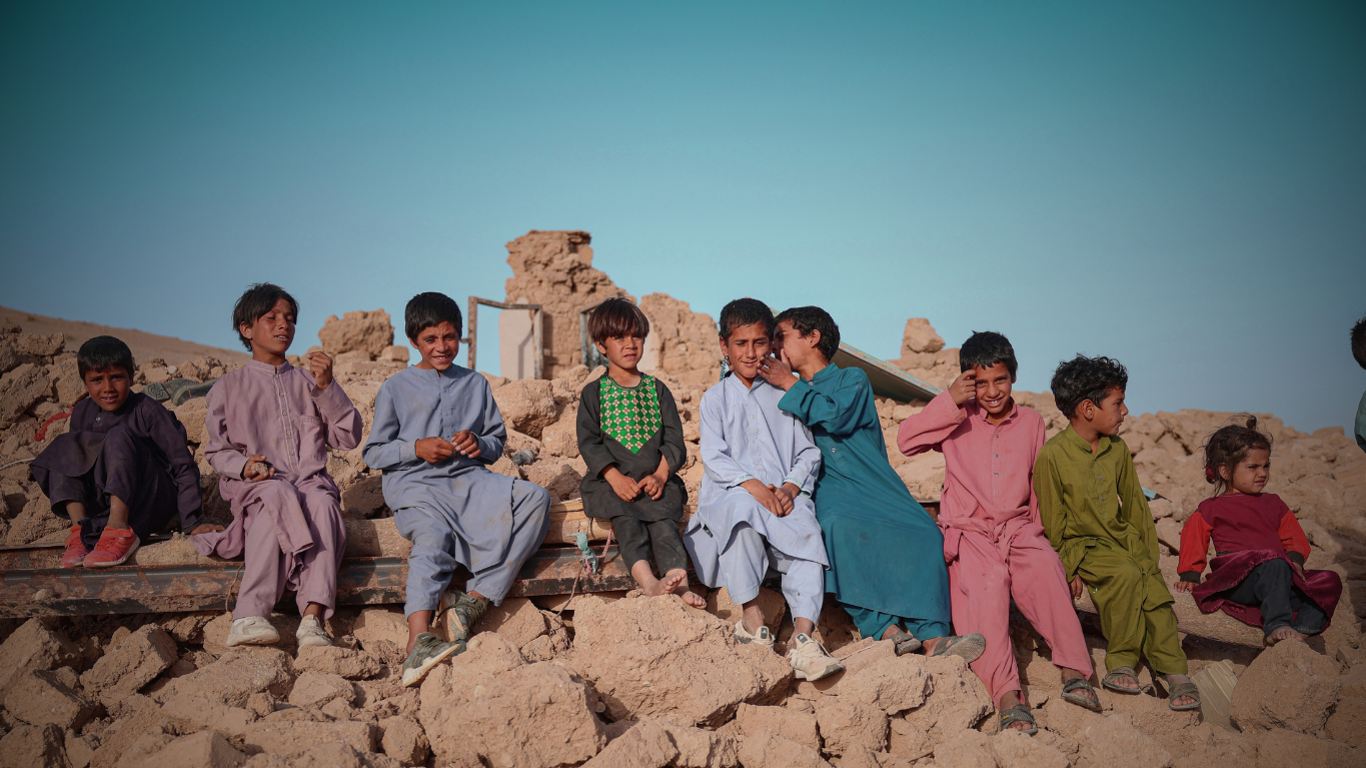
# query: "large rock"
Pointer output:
{"type": "Point", "coordinates": [315, 689]}
{"type": "Point", "coordinates": [789, 723]}
{"type": "Point", "coordinates": [34, 646]}
{"type": "Point", "coordinates": [957, 699]}
{"type": "Point", "coordinates": [332, 754]}
{"type": "Point", "coordinates": [1288, 686]}
{"type": "Point", "coordinates": [488, 702]}
{"type": "Point", "coordinates": [335, 660]}
{"type": "Point", "coordinates": [404, 740]}
{"type": "Point", "coordinates": [767, 749]}
{"type": "Point", "coordinates": [238, 674]}
{"type": "Point", "coordinates": [21, 389]}
{"type": "Point", "coordinates": [184, 714]}
{"type": "Point", "coordinates": [286, 737]}
{"type": "Point", "coordinates": [1278, 748]}
{"type": "Point", "coordinates": [126, 667]}
{"type": "Point", "coordinates": [850, 726]}
{"type": "Point", "coordinates": [140, 716]}
{"type": "Point", "coordinates": [361, 331]}
{"type": "Point", "coordinates": [33, 746]}
{"type": "Point", "coordinates": [1348, 723]}
{"type": "Point", "coordinates": [1105, 740]}
{"type": "Point", "coordinates": [683, 342]}
{"type": "Point", "coordinates": [206, 749]}
{"type": "Point", "coordinates": [527, 405]}
{"type": "Point", "coordinates": [41, 696]}
{"type": "Point", "coordinates": [661, 743]}
{"type": "Point", "coordinates": [894, 684]}
{"type": "Point", "coordinates": [646, 657]}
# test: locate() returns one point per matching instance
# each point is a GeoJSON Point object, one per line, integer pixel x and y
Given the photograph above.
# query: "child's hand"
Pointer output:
{"type": "Point", "coordinates": [787, 496]}
{"type": "Point", "coordinates": [777, 372]}
{"type": "Point", "coordinates": [964, 388]}
{"type": "Point", "coordinates": [321, 366]}
{"type": "Point", "coordinates": [465, 444]}
{"type": "Point", "coordinates": [433, 450]}
{"type": "Point", "coordinates": [653, 485]}
{"type": "Point", "coordinates": [205, 528]}
{"type": "Point", "coordinates": [256, 469]}
{"type": "Point", "coordinates": [626, 488]}
{"type": "Point", "coordinates": [1183, 586]}
{"type": "Point", "coordinates": [764, 495]}
{"type": "Point", "coordinates": [1078, 586]}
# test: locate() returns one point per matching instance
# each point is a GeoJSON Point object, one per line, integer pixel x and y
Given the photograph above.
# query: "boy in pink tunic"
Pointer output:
{"type": "Point", "coordinates": [269, 427]}
{"type": "Point", "coordinates": [994, 544]}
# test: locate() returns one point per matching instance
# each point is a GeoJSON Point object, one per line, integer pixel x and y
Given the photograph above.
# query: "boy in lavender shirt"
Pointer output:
{"type": "Point", "coordinates": [269, 427]}
{"type": "Point", "coordinates": [436, 429]}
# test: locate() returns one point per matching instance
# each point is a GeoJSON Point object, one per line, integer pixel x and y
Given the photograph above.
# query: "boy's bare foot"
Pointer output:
{"type": "Point", "coordinates": [1283, 633]}
{"type": "Point", "coordinates": [676, 582]}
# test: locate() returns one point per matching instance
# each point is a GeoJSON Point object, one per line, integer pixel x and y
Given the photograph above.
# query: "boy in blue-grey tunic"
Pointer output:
{"type": "Point", "coordinates": [755, 514]}
{"type": "Point", "coordinates": [436, 428]}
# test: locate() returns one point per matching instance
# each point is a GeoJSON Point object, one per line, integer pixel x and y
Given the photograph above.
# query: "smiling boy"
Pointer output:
{"type": "Point", "coordinates": [1098, 520]}
{"type": "Point", "coordinates": [123, 471]}
{"type": "Point", "coordinates": [994, 545]}
{"type": "Point", "coordinates": [436, 430]}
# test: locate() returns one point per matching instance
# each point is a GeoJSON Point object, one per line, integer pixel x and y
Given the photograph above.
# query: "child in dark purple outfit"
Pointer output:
{"type": "Point", "coordinates": [123, 471]}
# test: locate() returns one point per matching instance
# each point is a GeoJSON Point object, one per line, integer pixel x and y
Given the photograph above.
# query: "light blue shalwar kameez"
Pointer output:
{"type": "Point", "coordinates": [734, 541]}
{"type": "Point", "coordinates": [455, 512]}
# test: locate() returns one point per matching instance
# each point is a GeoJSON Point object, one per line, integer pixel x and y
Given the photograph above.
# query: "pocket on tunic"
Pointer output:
{"type": "Point", "coordinates": [312, 437]}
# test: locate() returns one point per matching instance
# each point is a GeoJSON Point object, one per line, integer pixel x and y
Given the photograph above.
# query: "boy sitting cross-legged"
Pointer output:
{"type": "Point", "coordinates": [755, 513]}
{"type": "Point", "coordinates": [1098, 520]}
{"type": "Point", "coordinates": [436, 429]}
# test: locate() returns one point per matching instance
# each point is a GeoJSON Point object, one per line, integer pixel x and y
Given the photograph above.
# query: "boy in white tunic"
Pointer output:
{"type": "Point", "coordinates": [754, 514]}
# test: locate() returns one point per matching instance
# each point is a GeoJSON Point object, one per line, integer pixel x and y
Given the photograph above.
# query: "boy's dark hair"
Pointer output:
{"type": "Point", "coordinates": [807, 319]}
{"type": "Point", "coordinates": [431, 308]}
{"type": "Point", "coordinates": [104, 352]}
{"type": "Point", "coordinates": [616, 318]}
{"type": "Point", "coordinates": [984, 349]}
{"type": "Point", "coordinates": [746, 311]}
{"type": "Point", "coordinates": [258, 299]}
{"type": "Point", "coordinates": [1086, 378]}
{"type": "Point", "coordinates": [1359, 342]}
{"type": "Point", "coordinates": [1230, 445]}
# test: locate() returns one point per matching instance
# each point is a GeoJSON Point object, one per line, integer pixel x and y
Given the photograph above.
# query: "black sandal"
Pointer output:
{"type": "Point", "coordinates": [904, 642]}
{"type": "Point", "coordinates": [1019, 714]}
{"type": "Point", "coordinates": [1183, 689]}
{"type": "Point", "coordinates": [1091, 702]}
{"type": "Point", "coordinates": [1111, 680]}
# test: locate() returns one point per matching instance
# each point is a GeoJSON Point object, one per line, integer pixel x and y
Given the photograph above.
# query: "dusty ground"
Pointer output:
{"type": "Point", "coordinates": [616, 680]}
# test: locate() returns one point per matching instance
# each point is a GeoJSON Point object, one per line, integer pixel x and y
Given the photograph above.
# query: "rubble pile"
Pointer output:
{"type": "Point", "coordinates": [622, 680]}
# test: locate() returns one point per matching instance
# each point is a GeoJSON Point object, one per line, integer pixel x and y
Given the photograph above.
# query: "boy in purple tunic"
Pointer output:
{"type": "Point", "coordinates": [123, 471]}
{"type": "Point", "coordinates": [269, 427]}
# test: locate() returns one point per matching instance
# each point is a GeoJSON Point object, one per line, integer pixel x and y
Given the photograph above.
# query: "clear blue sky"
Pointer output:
{"type": "Point", "coordinates": [1179, 185]}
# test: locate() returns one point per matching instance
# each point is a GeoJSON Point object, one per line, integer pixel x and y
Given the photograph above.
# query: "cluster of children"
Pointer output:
{"type": "Point", "coordinates": [797, 486]}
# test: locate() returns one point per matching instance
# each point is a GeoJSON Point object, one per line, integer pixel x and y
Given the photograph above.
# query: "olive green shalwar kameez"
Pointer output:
{"type": "Point", "coordinates": [1097, 518]}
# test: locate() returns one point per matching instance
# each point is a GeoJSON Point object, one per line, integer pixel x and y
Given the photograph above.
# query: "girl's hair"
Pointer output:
{"type": "Point", "coordinates": [255, 303]}
{"type": "Point", "coordinates": [1230, 445]}
{"type": "Point", "coordinates": [742, 312]}
{"type": "Point", "coordinates": [616, 318]}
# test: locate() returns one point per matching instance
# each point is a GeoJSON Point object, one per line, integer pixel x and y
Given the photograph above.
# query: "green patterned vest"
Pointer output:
{"type": "Point", "coordinates": [630, 415]}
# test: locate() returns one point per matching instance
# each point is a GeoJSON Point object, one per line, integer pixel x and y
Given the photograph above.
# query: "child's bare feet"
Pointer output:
{"type": "Point", "coordinates": [1283, 633]}
{"type": "Point", "coordinates": [676, 581]}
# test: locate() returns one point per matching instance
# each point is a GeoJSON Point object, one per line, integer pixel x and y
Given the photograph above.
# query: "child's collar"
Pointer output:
{"type": "Point", "coordinates": [257, 365]}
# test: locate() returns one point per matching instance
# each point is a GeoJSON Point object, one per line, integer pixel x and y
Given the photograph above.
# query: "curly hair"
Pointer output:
{"type": "Point", "coordinates": [1230, 445]}
{"type": "Point", "coordinates": [807, 319]}
{"type": "Point", "coordinates": [1086, 378]}
{"type": "Point", "coordinates": [1359, 342]}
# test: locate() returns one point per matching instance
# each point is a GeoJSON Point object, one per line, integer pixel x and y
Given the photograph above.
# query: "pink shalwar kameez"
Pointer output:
{"type": "Point", "coordinates": [994, 544]}
{"type": "Point", "coordinates": [290, 526]}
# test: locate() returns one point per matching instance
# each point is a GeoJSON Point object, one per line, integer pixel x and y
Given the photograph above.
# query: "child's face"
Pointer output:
{"type": "Point", "coordinates": [622, 351]}
{"type": "Point", "coordinates": [273, 332]}
{"type": "Point", "coordinates": [800, 350]}
{"type": "Point", "coordinates": [438, 345]}
{"type": "Point", "coordinates": [993, 388]}
{"type": "Point", "coordinates": [1107, 416]}
{"type": "Point", "coordinates": [746, 347]}
{"type": "Point", "coordinates": [108, 387]}
{"type": "Point", "coordinates": [1251, 474]}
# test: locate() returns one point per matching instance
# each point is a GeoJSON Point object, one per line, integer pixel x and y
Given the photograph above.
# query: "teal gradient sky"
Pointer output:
{"type": "Point", "coordinates": [1179, 185]}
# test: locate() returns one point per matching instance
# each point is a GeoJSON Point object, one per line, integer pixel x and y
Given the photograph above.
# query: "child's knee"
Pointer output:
{"type": "Point", "coordinates": [534, 496]}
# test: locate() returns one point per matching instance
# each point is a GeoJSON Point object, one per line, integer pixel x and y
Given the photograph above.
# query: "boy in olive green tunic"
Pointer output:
{"type": "Point", "coordinates": [1098, 520]}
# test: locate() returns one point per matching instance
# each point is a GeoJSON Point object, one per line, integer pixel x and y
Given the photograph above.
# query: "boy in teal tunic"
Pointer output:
{"type": "Point", "coordinates": [1359, 352]}
{"type": "Point", "coordinates": [886, 554]}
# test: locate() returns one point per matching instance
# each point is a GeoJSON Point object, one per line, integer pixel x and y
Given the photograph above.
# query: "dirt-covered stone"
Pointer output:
{"type": "Point", "coordinates": [131, 664]}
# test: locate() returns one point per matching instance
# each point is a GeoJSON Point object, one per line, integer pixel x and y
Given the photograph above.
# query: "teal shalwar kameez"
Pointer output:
{"type": "Point", "coordinates": [886, 553]}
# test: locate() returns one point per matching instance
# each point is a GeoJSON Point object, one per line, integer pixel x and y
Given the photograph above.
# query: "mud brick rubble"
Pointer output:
{"type": "Point", "coordinates": [620, 680]}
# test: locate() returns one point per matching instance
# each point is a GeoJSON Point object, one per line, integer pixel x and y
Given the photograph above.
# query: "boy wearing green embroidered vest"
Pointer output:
{"type": "Point", "coordinates": [631, 438]}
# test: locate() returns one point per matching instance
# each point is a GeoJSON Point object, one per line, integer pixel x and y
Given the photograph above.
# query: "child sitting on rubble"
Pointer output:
{"type": "Point", "coordinates": [886, 554]}
{"type": "Point", "coordinates": [269, 427]}
{"type": "Point", "coordinates": [994, 545]}
{"type": "Point", "coordinates": [123, 471]}
{"type": "Point", "coordinates": [755, 513]}
{"type": "Point", "coordinates": [1098, 520]}
{"type": "Point", "coordinates": [631, 438]}
{"type": "Point", "coordinates": [1258, 574]}
{"type": "Point", "coordinates": [436, 430]}
{"type": "Point", "coordinates": [1359, 352]}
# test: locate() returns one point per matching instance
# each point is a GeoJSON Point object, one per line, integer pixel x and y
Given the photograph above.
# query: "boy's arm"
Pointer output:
{"type": "Point", "coordinates": [220, 452]}
{"type": "Point", "coordinates": [495, 432]}
{"type": "Point", "coordinates": [717, 462]}
{"type": "Point", "coordinates": [592, 444]}
{"type": "Point", "coordinates": [1039, 438]}
{"type": "Point", "coordinates": [841, 411]}
{"type": "Point", "coordinates": [1134, 505]}
{"type": "Point", "coordinates": [1047, 492]}
{"type": "Point", "coordinates": [927, 430]}
{"type": "Point", "coordinates": [1194, 546]}
{"type": "Point", "coordinates": [675, 452]}
{"type": "Point", "coordinates": [384, 450]}
{"type": "Point", "coordinates": [343, 421]}
{"type": "Point", "coordinates": [169, 435]}
{"type": "Point", "coordinates": [806, 460]}
{"type": "Point", "coordinates": [1292, 538]}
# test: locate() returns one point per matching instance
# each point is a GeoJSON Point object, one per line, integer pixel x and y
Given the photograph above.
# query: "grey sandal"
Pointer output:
{"type": "Point", "coordinates": [904, 642]}
{"type": "Point", "coordinates": [467, 610]}
{"type": "Point", "coordinates": [1183, 689]}
{"type": "Point", "coordinates": [1091, 702]}
{"type": "Point", "coordinates": [968, 647]}
{"type": "Point", "coordinates": [1111, 680]}
{"type": "Point", "coordinates": [428, 651]}
{"type": "Point", "coordinates": [1019, 714]}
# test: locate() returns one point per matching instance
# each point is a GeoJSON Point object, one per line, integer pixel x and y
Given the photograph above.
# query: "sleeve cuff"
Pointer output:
{"type": "Point", "coordinates": [1191, 576]}
{"type": "Point", "coordinates": [407, 451]}
{"type": "Point", "coordinates": [739, 482]}
{"type": "Point", "coordinates": [332, 401]}
{"type": "Point", "coordinates": [233, 466]}
{"type": "Point", "coordinates": [1296, 558]}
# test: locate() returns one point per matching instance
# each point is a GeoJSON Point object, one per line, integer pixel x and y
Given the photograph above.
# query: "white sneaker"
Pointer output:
{"type": "Point", "coordinates": [253, 630]}
{"type": "Point", "coordinates": [762, 637]}
{"type": "Point", "coordinates": [810, 661]}
{"type": "Point", "coordinates": [311, 632]}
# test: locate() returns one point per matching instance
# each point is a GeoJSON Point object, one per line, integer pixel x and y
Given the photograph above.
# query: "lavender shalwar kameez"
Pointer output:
{"type": "Point", "coordinates": [455, 512]}
{"type": "Point", "coordinates": [733, 540]}
{"type": "Point", "coordinates": [288, 528]}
